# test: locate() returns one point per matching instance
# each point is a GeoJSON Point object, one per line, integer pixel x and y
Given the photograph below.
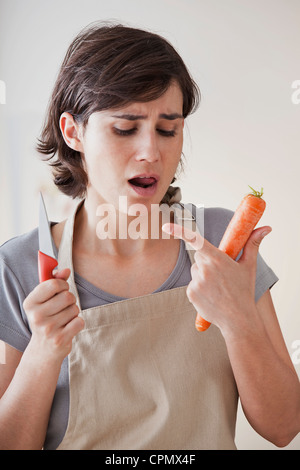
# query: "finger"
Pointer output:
{"type": "Point", "coordinates": [46, 290]}
{"type": "Point", "coordinates": [251, 248]}
{"type": "Point", "coordinates": [62, 274]}
{"type": "Point", "coordinates": [61, 319]}
{"type": "Point", "coordinates": [189, 236]}
{"type": "Point", "coordinates": [58, 303]}
{"type": "Point", "coordinates": [73, 328]}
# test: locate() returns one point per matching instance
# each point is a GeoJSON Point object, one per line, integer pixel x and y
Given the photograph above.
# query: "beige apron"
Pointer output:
{"type": "Point", "coordinates": [142, 377]}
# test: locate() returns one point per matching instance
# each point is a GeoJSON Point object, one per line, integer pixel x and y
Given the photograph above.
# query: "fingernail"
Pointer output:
{"type": "Point", "coordinates": [266, 232]}
{"type": "Point", "coordinates": [168, 228]}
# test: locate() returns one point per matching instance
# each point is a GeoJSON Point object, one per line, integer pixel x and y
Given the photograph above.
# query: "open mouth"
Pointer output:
{"type": "Point", "coordinates": [143, 181]}
{"type": "Point", "coordinates": [144, 185]}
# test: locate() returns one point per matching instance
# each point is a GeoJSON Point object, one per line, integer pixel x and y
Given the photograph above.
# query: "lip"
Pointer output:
{"type": "Point", "coordinates": [145, 192]}
{"type": "Point", "coordinates": [146, 175]}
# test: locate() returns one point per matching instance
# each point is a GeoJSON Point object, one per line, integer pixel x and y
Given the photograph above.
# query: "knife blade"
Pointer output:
{"type": "Point", "coordinates": [46, 255]}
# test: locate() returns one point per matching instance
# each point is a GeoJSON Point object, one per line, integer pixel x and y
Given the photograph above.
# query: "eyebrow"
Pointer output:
{"type": "Point", "coordinates": [136, 117]}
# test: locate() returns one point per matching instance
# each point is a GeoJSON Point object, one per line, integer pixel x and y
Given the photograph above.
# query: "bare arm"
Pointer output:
{"type": "Point", "coordinates": [222, 291]}
{"type": "Point", "coordinates": [28, 381]}
{"type": "Point", "coordinates": [268, 384]}
{"type": "Point", "coordinates": [28, 387]}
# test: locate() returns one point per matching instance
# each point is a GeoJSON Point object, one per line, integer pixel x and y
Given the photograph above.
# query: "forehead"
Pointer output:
{"type": "Point", "coordinates": [169, 103]}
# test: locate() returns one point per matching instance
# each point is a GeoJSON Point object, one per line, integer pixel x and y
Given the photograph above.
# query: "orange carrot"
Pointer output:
{"type": "Point", "coordinates": [238, 231]}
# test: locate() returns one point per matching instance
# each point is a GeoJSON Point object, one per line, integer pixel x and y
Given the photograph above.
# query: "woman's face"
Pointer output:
{"type": "Point", "coordinates": [134, 151]}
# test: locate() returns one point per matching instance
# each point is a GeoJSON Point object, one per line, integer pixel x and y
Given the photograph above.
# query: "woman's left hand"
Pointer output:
{"type": "Point", "coordinates": [221, 290]}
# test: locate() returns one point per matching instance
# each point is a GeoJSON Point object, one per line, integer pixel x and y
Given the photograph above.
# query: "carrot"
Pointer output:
{"type": "Point", "coordinates": [238, 231]}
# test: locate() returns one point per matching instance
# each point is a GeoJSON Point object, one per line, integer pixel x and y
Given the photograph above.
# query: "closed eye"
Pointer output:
{"type": "Point", "coordinates": [128, 132]}
{"type": "Point", "coordinates": [124, 132]}
{"type": "Point", "coordinates": [165, 133]}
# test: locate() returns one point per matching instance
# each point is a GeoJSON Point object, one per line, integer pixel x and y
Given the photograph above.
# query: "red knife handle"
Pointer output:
{"type": "Point", "coordinates": [46, 266]}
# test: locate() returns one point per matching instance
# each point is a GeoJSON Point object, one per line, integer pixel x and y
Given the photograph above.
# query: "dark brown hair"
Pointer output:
{"type": "Point", "coordinates": [107, 66]}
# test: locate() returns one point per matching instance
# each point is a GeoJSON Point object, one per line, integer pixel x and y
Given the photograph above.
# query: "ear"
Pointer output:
{"type": "Point", "coordinates": [71, 132]}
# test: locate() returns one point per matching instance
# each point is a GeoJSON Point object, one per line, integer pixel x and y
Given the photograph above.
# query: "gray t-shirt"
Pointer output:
{"type": "Point", "coordinates": [19, 276]}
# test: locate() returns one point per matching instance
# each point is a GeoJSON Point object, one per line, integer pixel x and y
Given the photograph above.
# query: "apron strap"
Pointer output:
{"type": "Point", "coordinates": [65, 259]}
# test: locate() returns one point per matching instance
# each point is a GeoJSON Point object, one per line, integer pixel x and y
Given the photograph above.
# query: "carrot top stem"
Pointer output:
{"type": "Point", "coordinates": [257, 193]}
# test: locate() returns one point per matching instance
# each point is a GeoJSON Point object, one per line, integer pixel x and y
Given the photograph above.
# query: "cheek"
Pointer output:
{"type": "Point", "coordinates": [172, 146]}
{"type": "Point", "coordinates": [97, 153]}
{"type": "Point", "coordinates": [178, 146]}
{"type": "Point", "coordinates": [174, 158]}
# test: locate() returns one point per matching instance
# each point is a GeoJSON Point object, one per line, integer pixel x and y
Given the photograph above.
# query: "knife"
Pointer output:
{"type": "Point", "coordinates": [47, 260]}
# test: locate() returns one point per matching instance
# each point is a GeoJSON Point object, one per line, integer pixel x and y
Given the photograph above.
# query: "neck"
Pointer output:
{"type": "Point", "coordinates": [102, 228]}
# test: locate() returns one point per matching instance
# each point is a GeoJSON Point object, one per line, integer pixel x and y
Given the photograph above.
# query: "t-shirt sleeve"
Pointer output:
{"type": "Point", "coordinates": [214, 223]}
{"type": "Point", "coordinates": [18, 277]}
{"type": "Point", "coordinates": [14, 328]}
{"type": "Point", "coordinates": [265, 278]}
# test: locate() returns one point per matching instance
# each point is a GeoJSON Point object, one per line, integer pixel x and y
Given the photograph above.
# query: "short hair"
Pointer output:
{"type": "Point", "coordinates": [107, 66]}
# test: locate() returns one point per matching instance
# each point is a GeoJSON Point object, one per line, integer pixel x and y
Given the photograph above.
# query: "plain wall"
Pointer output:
{"type": "Point", "coordinates": [244, 54]}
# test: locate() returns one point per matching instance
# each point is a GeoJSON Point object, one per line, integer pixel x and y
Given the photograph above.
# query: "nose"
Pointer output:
{"type": "Point", "coordinates": [148, 148]}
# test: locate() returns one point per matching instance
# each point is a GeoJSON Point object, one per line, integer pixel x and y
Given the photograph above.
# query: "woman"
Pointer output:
{"type": "Point", "coordinates": [105, 355]}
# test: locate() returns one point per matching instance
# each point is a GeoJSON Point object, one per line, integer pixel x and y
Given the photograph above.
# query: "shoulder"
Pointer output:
{"type": "Point", "coordinates": [216, 220]}
{"type": "Point", "coordinates": [18, 260]}
{"type": "Point", "coordinates": [212, 222]}
{"type": "Point", "coordinates": [14, 251]}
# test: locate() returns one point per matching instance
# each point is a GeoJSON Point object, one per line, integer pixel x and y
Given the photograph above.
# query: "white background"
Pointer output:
{"type": "Point", "coordinates": [244, 54]}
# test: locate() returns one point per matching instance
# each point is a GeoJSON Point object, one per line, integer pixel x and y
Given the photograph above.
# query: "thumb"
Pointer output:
{"type": "Point", "coordinates": [251, 248]}
{"type": "Point", "coordinates": [62, 274]}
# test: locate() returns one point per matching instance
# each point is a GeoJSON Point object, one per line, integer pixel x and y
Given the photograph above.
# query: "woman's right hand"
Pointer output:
{"type": "Point", "coordinates": [53, 317]}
